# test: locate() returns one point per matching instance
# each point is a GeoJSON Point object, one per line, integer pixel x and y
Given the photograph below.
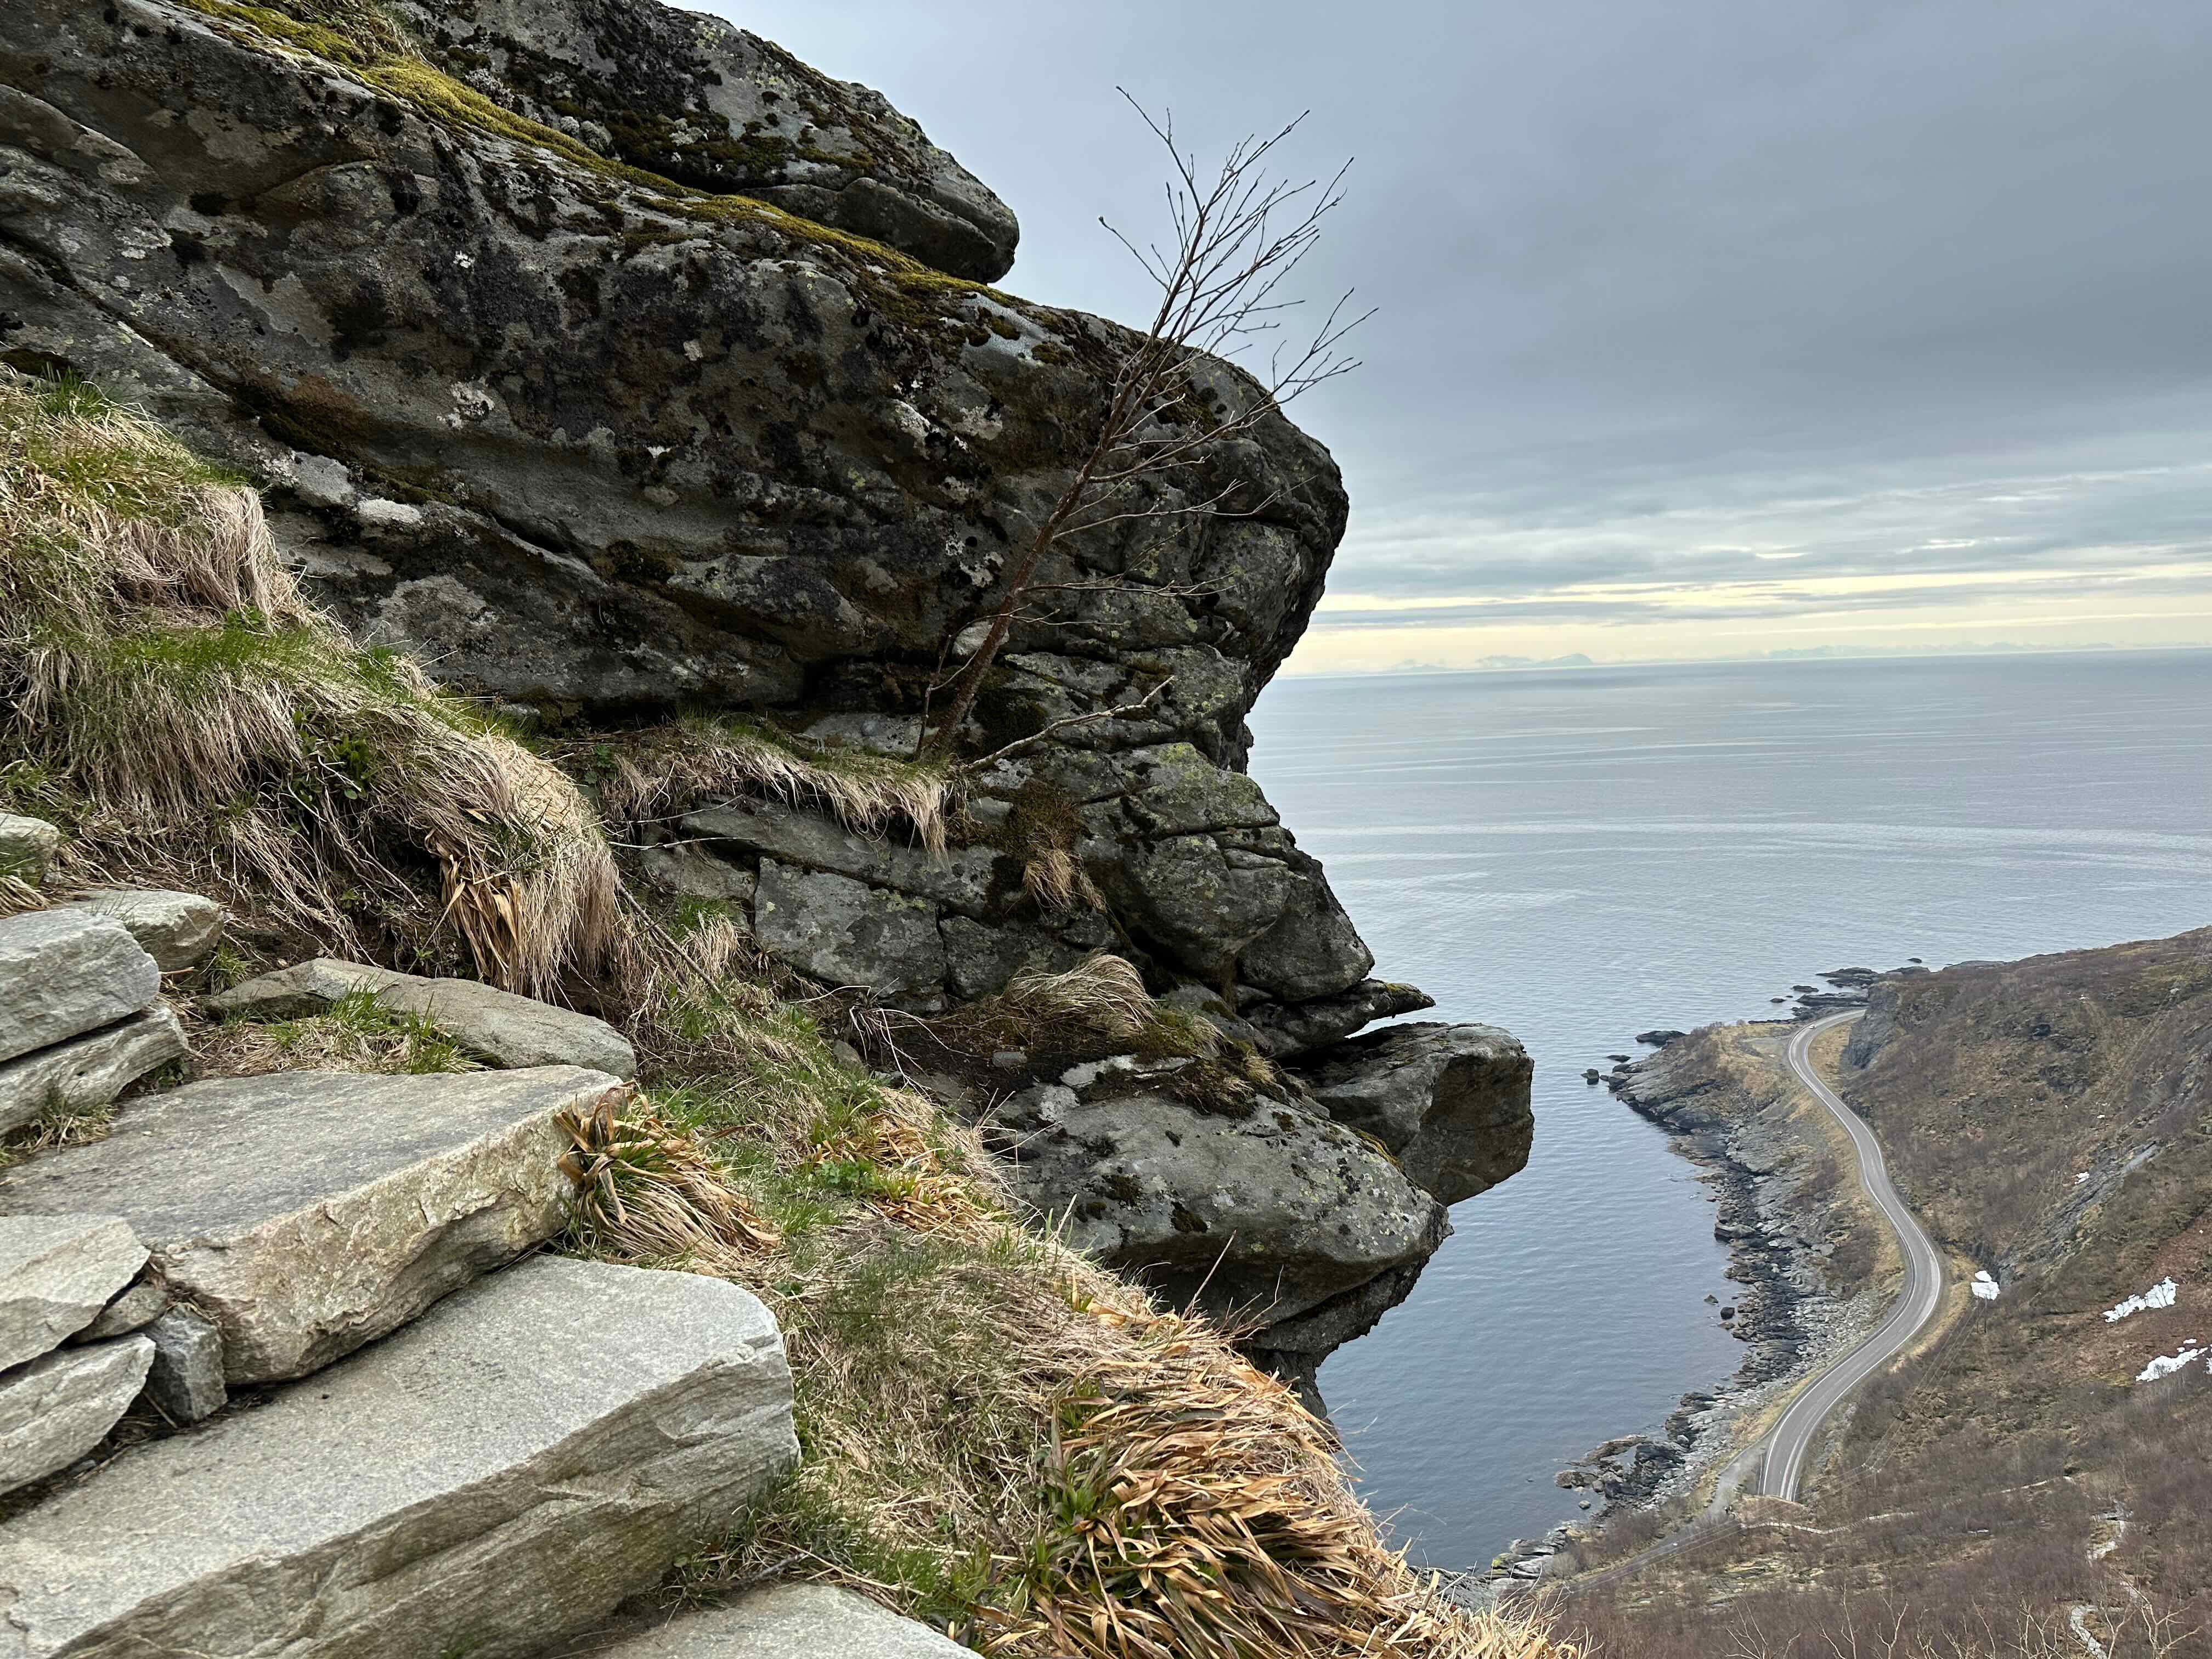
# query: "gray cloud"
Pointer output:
{"type": "Point", "coordinates": [1903, 287]}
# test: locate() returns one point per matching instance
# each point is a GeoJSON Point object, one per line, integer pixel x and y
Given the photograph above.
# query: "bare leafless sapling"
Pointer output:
{"type": "Point", "coordinates": [1236, 237]}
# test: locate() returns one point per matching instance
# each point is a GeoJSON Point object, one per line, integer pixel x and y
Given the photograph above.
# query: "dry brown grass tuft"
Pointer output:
{"type": "Point", "coordinates": [652, 774]}
{"type": "Point", "coordinates": [164, 671]}
{"type": "Point", "coordinates": [999, 1436]}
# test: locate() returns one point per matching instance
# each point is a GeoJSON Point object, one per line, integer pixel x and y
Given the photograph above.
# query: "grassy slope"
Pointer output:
{"type": "Point", "coordinates": [1001, 1437]}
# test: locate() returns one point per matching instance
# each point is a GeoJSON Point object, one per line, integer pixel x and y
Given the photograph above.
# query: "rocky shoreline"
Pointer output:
{"type": "Point", "coordinates": [1787, 1310]}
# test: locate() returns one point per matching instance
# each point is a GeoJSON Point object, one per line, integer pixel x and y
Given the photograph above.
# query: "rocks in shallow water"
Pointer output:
{"type": "Point", "coordinates": [177, 930]}
{"type": "Point", "coordinates": [87, 1072]}
{"type": "Point", "coordinates": [499, 1026]}
{"type": "Point", "coordinates": [492, 1479]}
{"type": "Point", "coordinates": [1278, 1212]}
{"type": "Point", "coordinates": [186, 1377]}
{"type": "Point", "coordinates": [784, 1621]}
{"type": "Point", "coordinates": [56, 1409]}
{"type": "Point", "coordinates": [309, 1213]}
{"type": "Point", "coordinates": [1591, 1074]}
{"type": "Point", "coordinates": [58, 1272]}
{"type": "Point", "coordinates": [1450, 1102]}
{"type": "Point", "coordinates": [1660, 1038]}
{"type": "Point", "coordinates": [66, 972]}
{"type": "Point", "coordinates": [27, 847]}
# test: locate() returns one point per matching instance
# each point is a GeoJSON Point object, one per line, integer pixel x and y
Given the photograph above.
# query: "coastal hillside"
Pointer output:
{"type": "Point", "coordinates": [2031, 1478]}
{"type": "Point", "coordinates": [489, 495]}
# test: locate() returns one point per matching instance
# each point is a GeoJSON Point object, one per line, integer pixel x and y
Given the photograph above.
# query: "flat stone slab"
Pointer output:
{"type": "Point", "coordinates": [307, 1212]}
{"type": "Point", "coordinates": [86, 1073]}
{"type": "Point", "coordinates": [56, 1273]}
{"type": "Point", "coordinates": [495, 1025]}
{"type": "Point", "coordinates": [490, 1480]}
{"type": "Point", "coordinates": [55, 1410]}
{"type": "Point", "coordinates": [785, 1621]}
{"type": "Point", "coordinates": [66, 972]}
{"type": "Point", "coordinates": [177, 930]}
{"type": "Point", "coordinates": [27, 847]}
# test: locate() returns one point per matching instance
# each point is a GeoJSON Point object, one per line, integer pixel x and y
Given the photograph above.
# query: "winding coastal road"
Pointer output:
{"type": "Point", "coordinates": [1777, 1459]}
{"type": "Point", "coordinates": [1791, 1438]}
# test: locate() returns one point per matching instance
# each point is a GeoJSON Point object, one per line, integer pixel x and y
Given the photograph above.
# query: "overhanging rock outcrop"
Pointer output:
{"type": "Point", "coordinates": [555, 333]}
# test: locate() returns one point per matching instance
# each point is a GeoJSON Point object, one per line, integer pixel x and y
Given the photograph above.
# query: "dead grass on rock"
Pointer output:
{"type": "Point", "coordinates": [999, 1436]}
{"type": "Point", "coordinates": [171, 690]}
{"type": "Point", "coordinates": [664, 771]}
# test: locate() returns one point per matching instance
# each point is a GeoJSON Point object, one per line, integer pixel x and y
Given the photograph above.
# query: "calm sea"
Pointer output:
{"type": "Point", "coordinates": [1580, 855]}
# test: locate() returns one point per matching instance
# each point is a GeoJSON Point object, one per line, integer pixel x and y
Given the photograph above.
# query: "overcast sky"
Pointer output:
{"type": "Point", "coordinates": [1705, 328]}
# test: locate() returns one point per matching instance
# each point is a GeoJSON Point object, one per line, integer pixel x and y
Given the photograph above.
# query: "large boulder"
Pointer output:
{"type": "Point", "coordinates": [1450, 1102]}
{"type": "Point", "coordinates": [581, 440]}
{"type": "Point", "coordinates": [491, 1479]}
{"type": "Point", "coordinates": [309, 1213]}
{"type": "Point", "coordinates": [497, 1026]}
{"type": "Point", "coordinates": [66, 972]}
{"type": "Point", "coordinates": [1268, 1216]}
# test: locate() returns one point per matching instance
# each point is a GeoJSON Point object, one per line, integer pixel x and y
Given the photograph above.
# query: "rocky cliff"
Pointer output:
{"type": "Point", "coordinates": [558, 335]}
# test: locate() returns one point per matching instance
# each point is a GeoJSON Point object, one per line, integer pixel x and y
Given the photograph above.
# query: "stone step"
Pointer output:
{"type": "Point", "coordinates": [783, 1621]}
{"type": "Point", "coordinates": [55, 1410]}
{"type": "Point", "coordinates": [492, 1479]}
{"type": "Point", "coordinates": [308, 1212]}
{"type": "Point", "coordinates": [66, 972]}
{"type": "Point", "coordinates": [498, 1025]}
{"type": "Point", "coordinates": [57, 1273]}
{"type": "Point", "coordinates": [87, 1072]}
{"type": "Point", "coordinates": [177, 930]}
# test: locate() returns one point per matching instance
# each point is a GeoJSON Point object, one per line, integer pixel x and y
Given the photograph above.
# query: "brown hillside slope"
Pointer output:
{"type": "Point", "coordinates": [2051, 1121]}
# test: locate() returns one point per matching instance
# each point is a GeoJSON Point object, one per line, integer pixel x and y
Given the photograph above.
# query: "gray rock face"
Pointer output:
{"type": "Point", "coordinates": [55, 1410]}
{"type": "Point", "coordinates": [784, 1621]}
{"type": "Point", "coordinates": [669, 454]}
{"type": "Point", "coordinates": [186, 1379]}
{"type": "Point", "coordinates": [56, 1273]}
{"type": "Point", "coordinates": [308, 1212]}
{"type": "Point", "coordinates": [1450, 1102]}
{"type": "Point", "coordinates": [27, 847]}
{"type": "Point", "coordinates": [843, 932]}
{"type": "Point", "coordinates": [66, 972]}
{"type": "Point", "coordinates": [497, 1026]}
{"type": "Point", "coordinates": [1279, 1213]}
{"type": "Point", "coordinates": [493, 1479]}
{"type": "Point", "coordinates": [87, 1072]}
{"type": "Point", "coordinates": [177, 930]}
{"type": "Point", "coordinates": [689, 96]}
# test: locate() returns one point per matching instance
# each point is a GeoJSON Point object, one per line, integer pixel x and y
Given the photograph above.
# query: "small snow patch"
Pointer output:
{"type": "Point", "coordinates": [2166, 1365]}
{"type": "Point", "coordinates": [1984, 1287]}
{"type": "Point", "coordinates": [2160, 1295]}
{"type": "Point", "coordinates": [2081, 1178]}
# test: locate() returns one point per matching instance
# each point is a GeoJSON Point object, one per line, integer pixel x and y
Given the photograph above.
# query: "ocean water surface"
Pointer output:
{"type": "Point", "coordinates": [1579, 855]}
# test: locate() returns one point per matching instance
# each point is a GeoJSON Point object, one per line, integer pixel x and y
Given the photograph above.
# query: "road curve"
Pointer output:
{"type": "Point", "coordinates": [1791, 1438]}
{"type": "Point", "coordinates": [1779, 1460]}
